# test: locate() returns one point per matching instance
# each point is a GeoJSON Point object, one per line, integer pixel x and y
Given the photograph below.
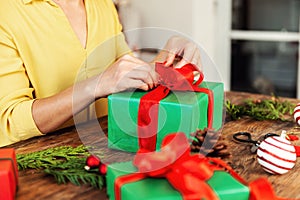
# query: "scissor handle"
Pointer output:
{"type": "Point", "coordinates": [270, 135]}
{"type": "Point", "coordinates": [244, 137]}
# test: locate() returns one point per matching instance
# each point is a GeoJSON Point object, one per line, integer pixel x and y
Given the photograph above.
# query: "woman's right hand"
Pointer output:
{"type": "Point", "coordinates": [128, 72]}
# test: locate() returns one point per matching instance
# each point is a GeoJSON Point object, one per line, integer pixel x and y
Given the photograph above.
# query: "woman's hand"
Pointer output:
{"type": "Point", "coordinates": [181, 51]}
{"type": "Point", "coordinates": [126, 73]}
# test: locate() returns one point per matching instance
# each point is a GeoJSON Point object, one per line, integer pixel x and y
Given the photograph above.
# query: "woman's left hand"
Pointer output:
{"type": "Point", "coordinates": [181, 51]}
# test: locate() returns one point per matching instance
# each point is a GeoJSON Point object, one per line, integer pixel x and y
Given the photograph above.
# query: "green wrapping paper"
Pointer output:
{"type": "Point", "coordinates": [178, 112]}
{"type": "Point", "coordinates": [223, 184]}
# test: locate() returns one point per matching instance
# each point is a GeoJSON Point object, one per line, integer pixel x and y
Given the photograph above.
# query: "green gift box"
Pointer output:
{"type": "Point", "coordinates": [222, 183]}
{"type": "Point", "coordinates": [178, 112]}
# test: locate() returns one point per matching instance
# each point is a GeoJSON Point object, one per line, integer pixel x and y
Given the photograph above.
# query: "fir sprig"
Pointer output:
{"type": "Point", "coordinates": [266, 109]}
{"type": "Point", "coordinates": [76, 175]}
{"type": "Point", "coordinates": [65, 163]}
{"type": "Point", "coordinates": [50, 157]}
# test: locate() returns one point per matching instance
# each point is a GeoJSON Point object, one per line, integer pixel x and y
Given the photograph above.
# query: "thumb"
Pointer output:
{"type": "Point", "coordinates": [181, 63]}
{"type": "Point", "coordinates": [170, 59]}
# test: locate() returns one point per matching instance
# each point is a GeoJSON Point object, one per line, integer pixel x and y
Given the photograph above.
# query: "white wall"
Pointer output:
{"type": "Point", "coordinates": [197, 19]}
{"type": "Point", "coordinates": [194, 18]}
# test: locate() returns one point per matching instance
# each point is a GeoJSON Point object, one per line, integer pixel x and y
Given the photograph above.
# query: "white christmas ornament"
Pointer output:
{"type": "Point", "coordinates": [276, 154]}
{"type": "Point", "coordinates": [297, 114]}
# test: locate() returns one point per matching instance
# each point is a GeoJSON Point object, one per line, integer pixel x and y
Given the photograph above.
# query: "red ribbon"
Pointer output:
{"type": "Point", "coordinates": [187, 173]}
{"type": "Point", "coordinates": [179, 79]}
{"type": "Point", "coordinates": [297, 148]}
{"type": "Point", "coordinates": [262, 189]}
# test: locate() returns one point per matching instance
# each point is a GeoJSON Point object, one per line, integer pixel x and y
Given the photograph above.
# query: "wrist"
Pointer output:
{"type": "Point", "coordinates": [96, 87]}
{"type": "Point", "coordinates": [86, 88]}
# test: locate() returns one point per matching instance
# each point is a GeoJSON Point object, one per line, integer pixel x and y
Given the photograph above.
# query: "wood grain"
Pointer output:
{"type": "Point", "coordinates": [36, 185]}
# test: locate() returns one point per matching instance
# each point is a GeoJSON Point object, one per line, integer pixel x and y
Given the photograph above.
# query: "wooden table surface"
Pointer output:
{"type": "Point", "coordinates": [34, 185]}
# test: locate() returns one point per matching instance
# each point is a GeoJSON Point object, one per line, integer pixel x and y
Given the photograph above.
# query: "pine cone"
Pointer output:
{"type": "Point", "coordinates": [205, 142]}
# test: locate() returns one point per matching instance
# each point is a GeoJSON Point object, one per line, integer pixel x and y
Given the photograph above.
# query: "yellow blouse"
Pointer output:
{"type": "Point", "coordinates": [40, 55]}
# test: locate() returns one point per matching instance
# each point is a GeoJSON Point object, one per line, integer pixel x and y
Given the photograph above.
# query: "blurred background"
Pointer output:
{"type": "Point", "coordinates": [255, 44]}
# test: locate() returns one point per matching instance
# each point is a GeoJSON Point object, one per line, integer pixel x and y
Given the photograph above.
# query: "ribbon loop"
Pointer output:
{"type": "Point", "coordinates": [177, 79]}
{"type": "Point", "coordinates": [187, 173]}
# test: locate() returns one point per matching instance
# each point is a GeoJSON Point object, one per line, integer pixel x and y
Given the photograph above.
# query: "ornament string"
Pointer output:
{"type": "Point", "coordinates": [247, 138]}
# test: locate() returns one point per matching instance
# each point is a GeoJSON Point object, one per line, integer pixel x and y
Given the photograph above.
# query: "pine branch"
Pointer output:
{"type": "Point", "coordinates": [76, 174]}
{"type": "Point", "coordinates": [50, 157]}
{"type": "Point", "coordinates": [266, 109]}
{"type": "Point", "coordinates": [65, 163]}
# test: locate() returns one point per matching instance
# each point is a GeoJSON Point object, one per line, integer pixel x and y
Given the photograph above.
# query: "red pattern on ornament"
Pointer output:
{"type": "Point", "coordinates": [276, 156]}
{"type": "Point", "coordinates": [278, 147]}
{"type": "Point", "coordinates": [297, 110]}
{"type": "Point", "coordinates": [286, 142]}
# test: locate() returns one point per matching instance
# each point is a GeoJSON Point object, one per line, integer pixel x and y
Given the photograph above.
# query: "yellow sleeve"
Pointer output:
{"type": "Point", "coordinates": [16, 96]}
{"type": "Point", "coordinates": [121, 44]}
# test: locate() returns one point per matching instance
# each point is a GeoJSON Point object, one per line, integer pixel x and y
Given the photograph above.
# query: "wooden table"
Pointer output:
{"type": "Point", "coordinates": [36, 185]}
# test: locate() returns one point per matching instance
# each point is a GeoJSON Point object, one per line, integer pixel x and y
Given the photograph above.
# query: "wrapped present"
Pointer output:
{"type": "Point", "coordinates": [191, 107]}
{"type": "Point", "coordinates": [222, 183]}
{"type": "Point", "coordinates": [8, 174]}
{"type": "Point", "coordinates": [175, 173]}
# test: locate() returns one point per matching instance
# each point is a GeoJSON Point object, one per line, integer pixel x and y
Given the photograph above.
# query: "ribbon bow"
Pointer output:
{"type": "Point", "coordinates": [179, 79]}
{"type": "Point", "coordinates": [187, 173]}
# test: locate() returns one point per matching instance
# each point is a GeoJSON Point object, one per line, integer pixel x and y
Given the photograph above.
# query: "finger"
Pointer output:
{"type": "Point", "coordinates": [196, 60]}
{"type": "Point", "coordinates": [187, 56]}
{"type": "Point", "coordinates": [134, 84]}
{"type": "Point", "coordinates": [154, 75]}
{"type": "Point", "coordinates": [141, 65]}
{"type": "Point", "coordinates": [143, 75]}
{"type": "Point", "coordinates": [150, 70]}
{"type": "Point", "coordinates": [140, 70]}
{"type": "Point", "coordinates": [190, 57]}
{"type": "Point", "coordinates": [181, 63]}
{"type": "Point", "coordinates": [189, 52]}
{"type": "Point", "coordinates": [129, 83]}
{"type": "Point", "coordinates": [170, 59]}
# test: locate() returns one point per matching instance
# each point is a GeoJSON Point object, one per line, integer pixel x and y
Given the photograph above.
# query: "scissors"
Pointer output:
{"type": "Point", "coordinates": [246, 137]}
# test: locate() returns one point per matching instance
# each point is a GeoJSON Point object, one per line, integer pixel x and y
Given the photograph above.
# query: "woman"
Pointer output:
{"type": "Point", "coordinates": [43, 46]}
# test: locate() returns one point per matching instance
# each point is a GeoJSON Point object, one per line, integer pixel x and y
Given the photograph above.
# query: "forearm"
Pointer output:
{"type": "Point", "coordinates": [126, 73]}
{"type": "Point", "coordinates": [51, 112]}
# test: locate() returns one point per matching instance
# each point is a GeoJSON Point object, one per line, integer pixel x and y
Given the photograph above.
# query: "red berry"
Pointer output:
{"type": "Point", "coordinates": [92, 162]}
{"type": "Point", "coordinates": [103, 169]}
